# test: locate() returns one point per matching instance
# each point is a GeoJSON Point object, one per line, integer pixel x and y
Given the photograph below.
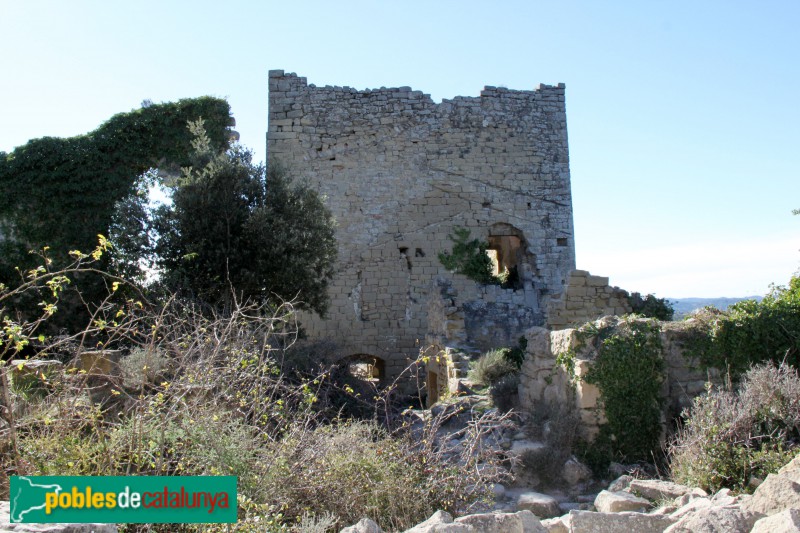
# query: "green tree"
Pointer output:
{"type": "Point", "coordinates": [235, 228]}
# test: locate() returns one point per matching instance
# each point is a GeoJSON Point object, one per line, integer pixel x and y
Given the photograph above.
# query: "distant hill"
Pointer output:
{"type": "Point", "coordinates": [684, 306]}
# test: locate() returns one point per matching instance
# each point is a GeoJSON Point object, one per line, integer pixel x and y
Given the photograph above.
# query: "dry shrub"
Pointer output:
{"type": "Point", "coordinates": [556, 426]}
{"type": "Point", "coordinates": [492, 366]}
{"type": "Point", "coordinates": [223, 403]}
{"type": "Point", "coordinates": [505, 392]}
{"type": "Point", "coordinates": [732, 439]}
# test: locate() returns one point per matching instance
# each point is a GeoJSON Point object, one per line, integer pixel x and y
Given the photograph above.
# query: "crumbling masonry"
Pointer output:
{"type": "Point", "coordinates": [400, 172]}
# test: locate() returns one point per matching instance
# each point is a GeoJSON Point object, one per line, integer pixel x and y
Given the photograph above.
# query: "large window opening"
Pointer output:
{"type": "Point", "coordinates": [509, 255]}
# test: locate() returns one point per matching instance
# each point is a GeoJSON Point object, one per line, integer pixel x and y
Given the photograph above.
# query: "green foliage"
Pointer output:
{"type": "Point", "coordinates": [651, 307]}
{"type": "Point", "coordinates": [492, 366]}
{"type": "Point", "coordinates": [517, 354]}
{"type": "Point", "coordinates": [731, 439]}
{"type": "Point", "coordinates": [468, 257]}
{"type": "Point", "coordinates": [752, 332]}
{"type": "Point", "coordinates": [629, 372]}
{"type": "Point", "coordinates": [233, 229]}
{"type": "Point", "coordinates": [62, 193]}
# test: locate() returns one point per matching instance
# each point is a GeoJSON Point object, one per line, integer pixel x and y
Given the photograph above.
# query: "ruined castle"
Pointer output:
{"type": "Point", "coordinates": [400, 172]}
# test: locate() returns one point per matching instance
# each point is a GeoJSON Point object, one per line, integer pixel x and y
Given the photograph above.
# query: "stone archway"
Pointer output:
{"type": "Point", "coordinates": [367, 367]}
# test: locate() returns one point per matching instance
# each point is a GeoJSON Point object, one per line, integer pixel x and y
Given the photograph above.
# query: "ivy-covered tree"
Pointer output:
{"type": "Point", "coordinates": [62, 193]}
{"type": "Point", "coordinates": [234, 228]}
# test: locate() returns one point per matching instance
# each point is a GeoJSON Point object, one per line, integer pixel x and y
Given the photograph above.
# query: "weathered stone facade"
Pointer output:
{"type": "Point", "coordinates": [400, 172]}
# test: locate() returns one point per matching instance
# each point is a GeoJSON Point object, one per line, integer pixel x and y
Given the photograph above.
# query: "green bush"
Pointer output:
{"type": "Point", "coordinates": [504, 392]}
{"type": "Point", "coordinates": [752, 332]}
{"type": "Point", "coordinates": [651, 307]}
{"type": "Point", "coordinates": [492, 366]}
{"type": "Point", "coordinates": [731, 439]}
{"type": "Point", "coordinates": [469, 257]}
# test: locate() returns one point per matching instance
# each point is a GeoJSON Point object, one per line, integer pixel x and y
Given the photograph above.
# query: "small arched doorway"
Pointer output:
{"type": "Point", "coordinates": [367, 367]}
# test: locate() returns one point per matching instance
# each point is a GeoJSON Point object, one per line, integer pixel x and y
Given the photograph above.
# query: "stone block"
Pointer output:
{"type": "Point", "coordinates": [787, 521]}
{"type": "Point", "coordinates": [617, 502]}
{"type": "Point", "coordinates": [626, 522]}
{"type": "Point", "coordinates": [541, 505]}
{"type": "Point", "coordinates": [586, 395]}
{"type": "Point", "coordinates": [596, 281]}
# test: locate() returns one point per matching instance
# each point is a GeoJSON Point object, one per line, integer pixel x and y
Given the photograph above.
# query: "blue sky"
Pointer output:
{"type": "Point", "coordinates": [683, 117]}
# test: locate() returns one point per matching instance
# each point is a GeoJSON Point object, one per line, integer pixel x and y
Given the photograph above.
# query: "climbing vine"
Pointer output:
{"type": "Point", "coordinates": [62, 192]}
{"type": "Point", "coordinates": [629, 370]}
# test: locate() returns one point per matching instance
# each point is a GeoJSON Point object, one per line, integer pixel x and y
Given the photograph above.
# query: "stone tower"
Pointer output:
{"type": "Point", "coordinates": [400, 173]}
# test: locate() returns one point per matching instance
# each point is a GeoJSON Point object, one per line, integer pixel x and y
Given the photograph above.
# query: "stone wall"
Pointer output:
{"type": "Point", "coordinates": [545, 380]}
{"type": "Point", "coordinates": [400, 172]}
{"type": "Point", "coordinates": [586, 298]}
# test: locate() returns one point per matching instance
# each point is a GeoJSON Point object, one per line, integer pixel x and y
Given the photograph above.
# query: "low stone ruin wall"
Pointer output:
{"type": "Point", "coordinates": [544, 379]}
{"type": "Point", "coordinates": [584, 299]}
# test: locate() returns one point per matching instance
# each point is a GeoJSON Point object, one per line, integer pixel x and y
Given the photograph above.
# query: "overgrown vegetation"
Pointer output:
{"type": "Point", "coordinates": [650, 306]}
{"type": "Point", "coordinates": [629, 370]}
{"type": "Point", "coordinates": [752, 332]}
{"type": "Point", "coordinates": [556, 426]}
{"type": "Point", "coordinates": [491, 367]}
{"type": "Point", "coordinates": [61, 193]}
{"type": "Point", "coordinates": [221, 398]}
{"type": "Point", "coordinates": [469, 257]}
{"type": "Point", "coordinates": [734, 439]}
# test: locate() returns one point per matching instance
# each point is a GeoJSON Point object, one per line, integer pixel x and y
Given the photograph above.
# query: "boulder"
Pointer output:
{"type": "Point", "coordinates": [542, 505]}
{"type": "Point", "coordinates": [519, 447]}
{"type": "Point", "coordinates": [365, 525]}
{"type": "Point", "coordinates": [621, 483]}
{"type": "Point", "coordinates": [691, 507]}
{"type": "Point", "coordinates": [791, 470]}
{"type": "Point", "coordinates": [592, 522]}
{"type": "Point", "coordinates": [776, 494]}
{"type": "Point", "coordinates": [555, 525]}
{"type": "Point", "coordinates": [686, 498]}
{"type": "Point", "coordinates": [715, 519]}
{"type": "Point", "coordinates": [617, 502]}
{"type": "Point", "coordinates": [519, 522]}
{"type": "Point", "coordinates": [575, 472]}
{"type": "Point", "coordinates": [438, 518]}
{"type": "Point", "coordinates": [786, 522]}
{"type": "Point", "coordinates": [655, 489]}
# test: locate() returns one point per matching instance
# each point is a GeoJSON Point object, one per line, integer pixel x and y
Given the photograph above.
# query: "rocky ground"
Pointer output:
{"type": "Point", "coordinates": [643, 506]}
